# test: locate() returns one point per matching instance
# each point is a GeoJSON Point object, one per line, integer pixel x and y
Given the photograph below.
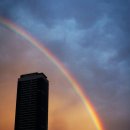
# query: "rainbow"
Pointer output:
{"type": "Point", "coordinates": [77, 87]}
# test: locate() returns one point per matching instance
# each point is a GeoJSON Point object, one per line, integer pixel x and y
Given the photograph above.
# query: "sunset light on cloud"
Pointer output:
{"type": "Point", "coordinates": [82, 46]}
{"type": "Point", "coordinates": [66, 109]}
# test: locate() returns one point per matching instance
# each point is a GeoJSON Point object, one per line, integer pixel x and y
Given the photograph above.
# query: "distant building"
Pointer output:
{"type": "Point", "coordinates": [32, 102]}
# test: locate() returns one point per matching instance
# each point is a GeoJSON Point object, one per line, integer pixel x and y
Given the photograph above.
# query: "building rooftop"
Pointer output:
{"type": "Point", "coordinates": [32, 76]}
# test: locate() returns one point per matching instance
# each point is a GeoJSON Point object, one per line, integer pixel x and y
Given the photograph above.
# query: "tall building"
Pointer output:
{"type": "Point", "coordinates": [32, 102]}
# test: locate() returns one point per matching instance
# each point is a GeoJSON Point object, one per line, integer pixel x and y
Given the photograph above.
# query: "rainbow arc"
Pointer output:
{"type": "Point", "coordinates": [77, 87]}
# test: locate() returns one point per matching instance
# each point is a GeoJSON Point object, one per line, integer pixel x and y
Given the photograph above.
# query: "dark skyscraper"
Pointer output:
{"type": "Point", "coordinates": [32, 102]}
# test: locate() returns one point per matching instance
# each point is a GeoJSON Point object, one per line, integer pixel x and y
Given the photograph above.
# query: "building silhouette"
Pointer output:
{"type": "Point", "coordinates": [32, 102]}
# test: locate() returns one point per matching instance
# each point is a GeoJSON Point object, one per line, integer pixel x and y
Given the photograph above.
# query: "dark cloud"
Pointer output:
{"type": "Point", "coordinates": [92, 39]}
{"type": "Point", "coordinates": [120, 122]}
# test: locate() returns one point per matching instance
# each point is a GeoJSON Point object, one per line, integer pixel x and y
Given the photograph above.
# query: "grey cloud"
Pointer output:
{"type": "Point", "coordinates": [92, 39]}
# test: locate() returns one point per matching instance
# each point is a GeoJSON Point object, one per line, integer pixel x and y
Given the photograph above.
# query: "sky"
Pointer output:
{"type": "Point", "coordinates": [91, 39]}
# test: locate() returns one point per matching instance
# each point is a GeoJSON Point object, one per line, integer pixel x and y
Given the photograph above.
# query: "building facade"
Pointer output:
{"type": "Point", "coordinates": [32, 102]}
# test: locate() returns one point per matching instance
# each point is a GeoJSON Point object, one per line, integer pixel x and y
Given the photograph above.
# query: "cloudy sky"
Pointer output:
{"type": "Point", "coordinates": [90, 37]}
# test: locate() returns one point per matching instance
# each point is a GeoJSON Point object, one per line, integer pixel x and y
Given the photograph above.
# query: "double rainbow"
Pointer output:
{"type": "Point", "coordinates": [77, 87]}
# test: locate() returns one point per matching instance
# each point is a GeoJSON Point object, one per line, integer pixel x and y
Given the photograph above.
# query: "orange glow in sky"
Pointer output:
{"type": "Point", "coordinates": [66, 111]}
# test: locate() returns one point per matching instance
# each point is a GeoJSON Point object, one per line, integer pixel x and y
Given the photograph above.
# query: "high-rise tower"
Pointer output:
{"type": "Point", "coordinates": [32, 102]}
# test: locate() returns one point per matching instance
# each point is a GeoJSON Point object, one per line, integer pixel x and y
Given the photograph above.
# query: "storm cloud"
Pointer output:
{"type": "Point", "coordinates": [92, 39]}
